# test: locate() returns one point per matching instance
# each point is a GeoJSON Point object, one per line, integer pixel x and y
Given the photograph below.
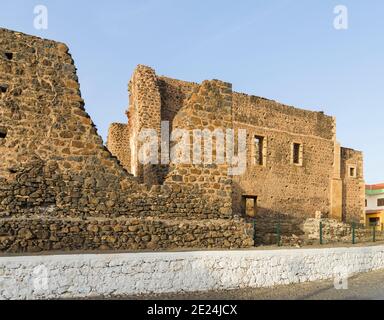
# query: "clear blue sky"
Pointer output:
{"type": "Point", "coordinates": [286, 50]}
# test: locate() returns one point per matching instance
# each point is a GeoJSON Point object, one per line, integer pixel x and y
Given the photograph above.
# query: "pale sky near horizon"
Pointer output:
{"type": "Point", "coordinates": [285, 50]}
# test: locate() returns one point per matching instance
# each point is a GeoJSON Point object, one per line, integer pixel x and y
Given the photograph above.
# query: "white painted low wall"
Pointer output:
{"type": "Point", "coordinates": [142, 273]}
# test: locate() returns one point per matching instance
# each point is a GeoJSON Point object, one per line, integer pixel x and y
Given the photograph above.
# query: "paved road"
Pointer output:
{"type": "Point", "coordinates": [367, 286]}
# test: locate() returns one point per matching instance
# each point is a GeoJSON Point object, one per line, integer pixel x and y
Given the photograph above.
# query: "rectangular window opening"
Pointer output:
{"type": "Point", "coordinates": [259, 150]}
{"type": "Point", "coordinates": [380, 202]}
{"type": "Point", "coordinates": [352, 172]}
{"type": "Point", "coordinates": [297, 153]}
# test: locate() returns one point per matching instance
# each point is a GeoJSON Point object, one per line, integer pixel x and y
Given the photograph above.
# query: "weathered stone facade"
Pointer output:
{"type": "Point", "coordinates": [285, 192]}
{"type": "Point", "coordinates": [353, 182]}
{"type": "Point", "coordinates": [61, 189]}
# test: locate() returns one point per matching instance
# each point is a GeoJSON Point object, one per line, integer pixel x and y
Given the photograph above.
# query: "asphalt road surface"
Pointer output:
{"type": "Point", "coordinates": [366, 286]}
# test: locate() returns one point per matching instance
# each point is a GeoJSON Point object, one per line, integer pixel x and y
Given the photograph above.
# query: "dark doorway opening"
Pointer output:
{"type": "Point", "coordinates": [249, 205]}
{"type": "Point", "coordinates": [3, 133]}
{"type": "Point", "coordinates": [3, 88]}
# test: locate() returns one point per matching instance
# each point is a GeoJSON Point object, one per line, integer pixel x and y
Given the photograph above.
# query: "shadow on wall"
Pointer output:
{"type": "Point", "coordinates": [267, 222]}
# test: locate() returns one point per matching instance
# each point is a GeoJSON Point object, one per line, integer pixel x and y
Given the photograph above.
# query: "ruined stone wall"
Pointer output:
{"type": "Point", "coordinates": [286, 192]}
{"type": "Point", "coordinates": [174, 94]}
{"type": "Point", "coordinates": [208, 107]}
{"type": "Point", "coordinates": [61, 189]}
{"type": "Point", "coordinates": [353, 185]}
{"type": "Point", "coordinates": [147, 233]}
{"type": "Point", "coordinates": [264, 113]}
{"type": "Point", "coordinates": [186, 106]}
{"type": "Point", "coordinates": [119, 275]}
{"type": "Point", "coordinates": [145, 113]}
{"type": "Point", "coordinates": [119, 144]}
{"type": "Point", "coordinates": [52, 154]}
{"type": "Point", "coordinates": [57, 178]}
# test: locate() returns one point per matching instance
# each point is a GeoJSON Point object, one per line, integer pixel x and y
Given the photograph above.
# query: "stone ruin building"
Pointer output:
{"type": "Point", "coordinates": [62, 189]}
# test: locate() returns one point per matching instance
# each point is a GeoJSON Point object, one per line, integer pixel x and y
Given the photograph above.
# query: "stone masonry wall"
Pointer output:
{"type": "Point", "coordinates": [61, 189]}
{"type": "Point", "coordinates": [174, 94]}
{"type": "Point", "coordinates": [119, 144]}
{"type": "Point", "coordinates": [146, 233]}
{"type": "Point", "coordinates": [287, 193]}
{"type": "Point", "coordinates": [57, 178]}
{"type": "Point", "coordinates": [145, 101]}
{"type": "Point", "coordinates": [334, 231]}
{"type": "Point", "coordinates": [353, 185]}
{"type": "Point", "coordinates": [114, 275]}
{"type": "Point", "coordinates": [208, 107]}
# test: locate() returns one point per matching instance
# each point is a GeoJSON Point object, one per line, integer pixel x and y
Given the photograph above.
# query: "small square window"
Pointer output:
{"type": "Point", "coordinates": [380, 202]}
{"type": "Point", "coordinates": [352, 171]}
{"type": "Point", "coordinates": [259, 150]}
